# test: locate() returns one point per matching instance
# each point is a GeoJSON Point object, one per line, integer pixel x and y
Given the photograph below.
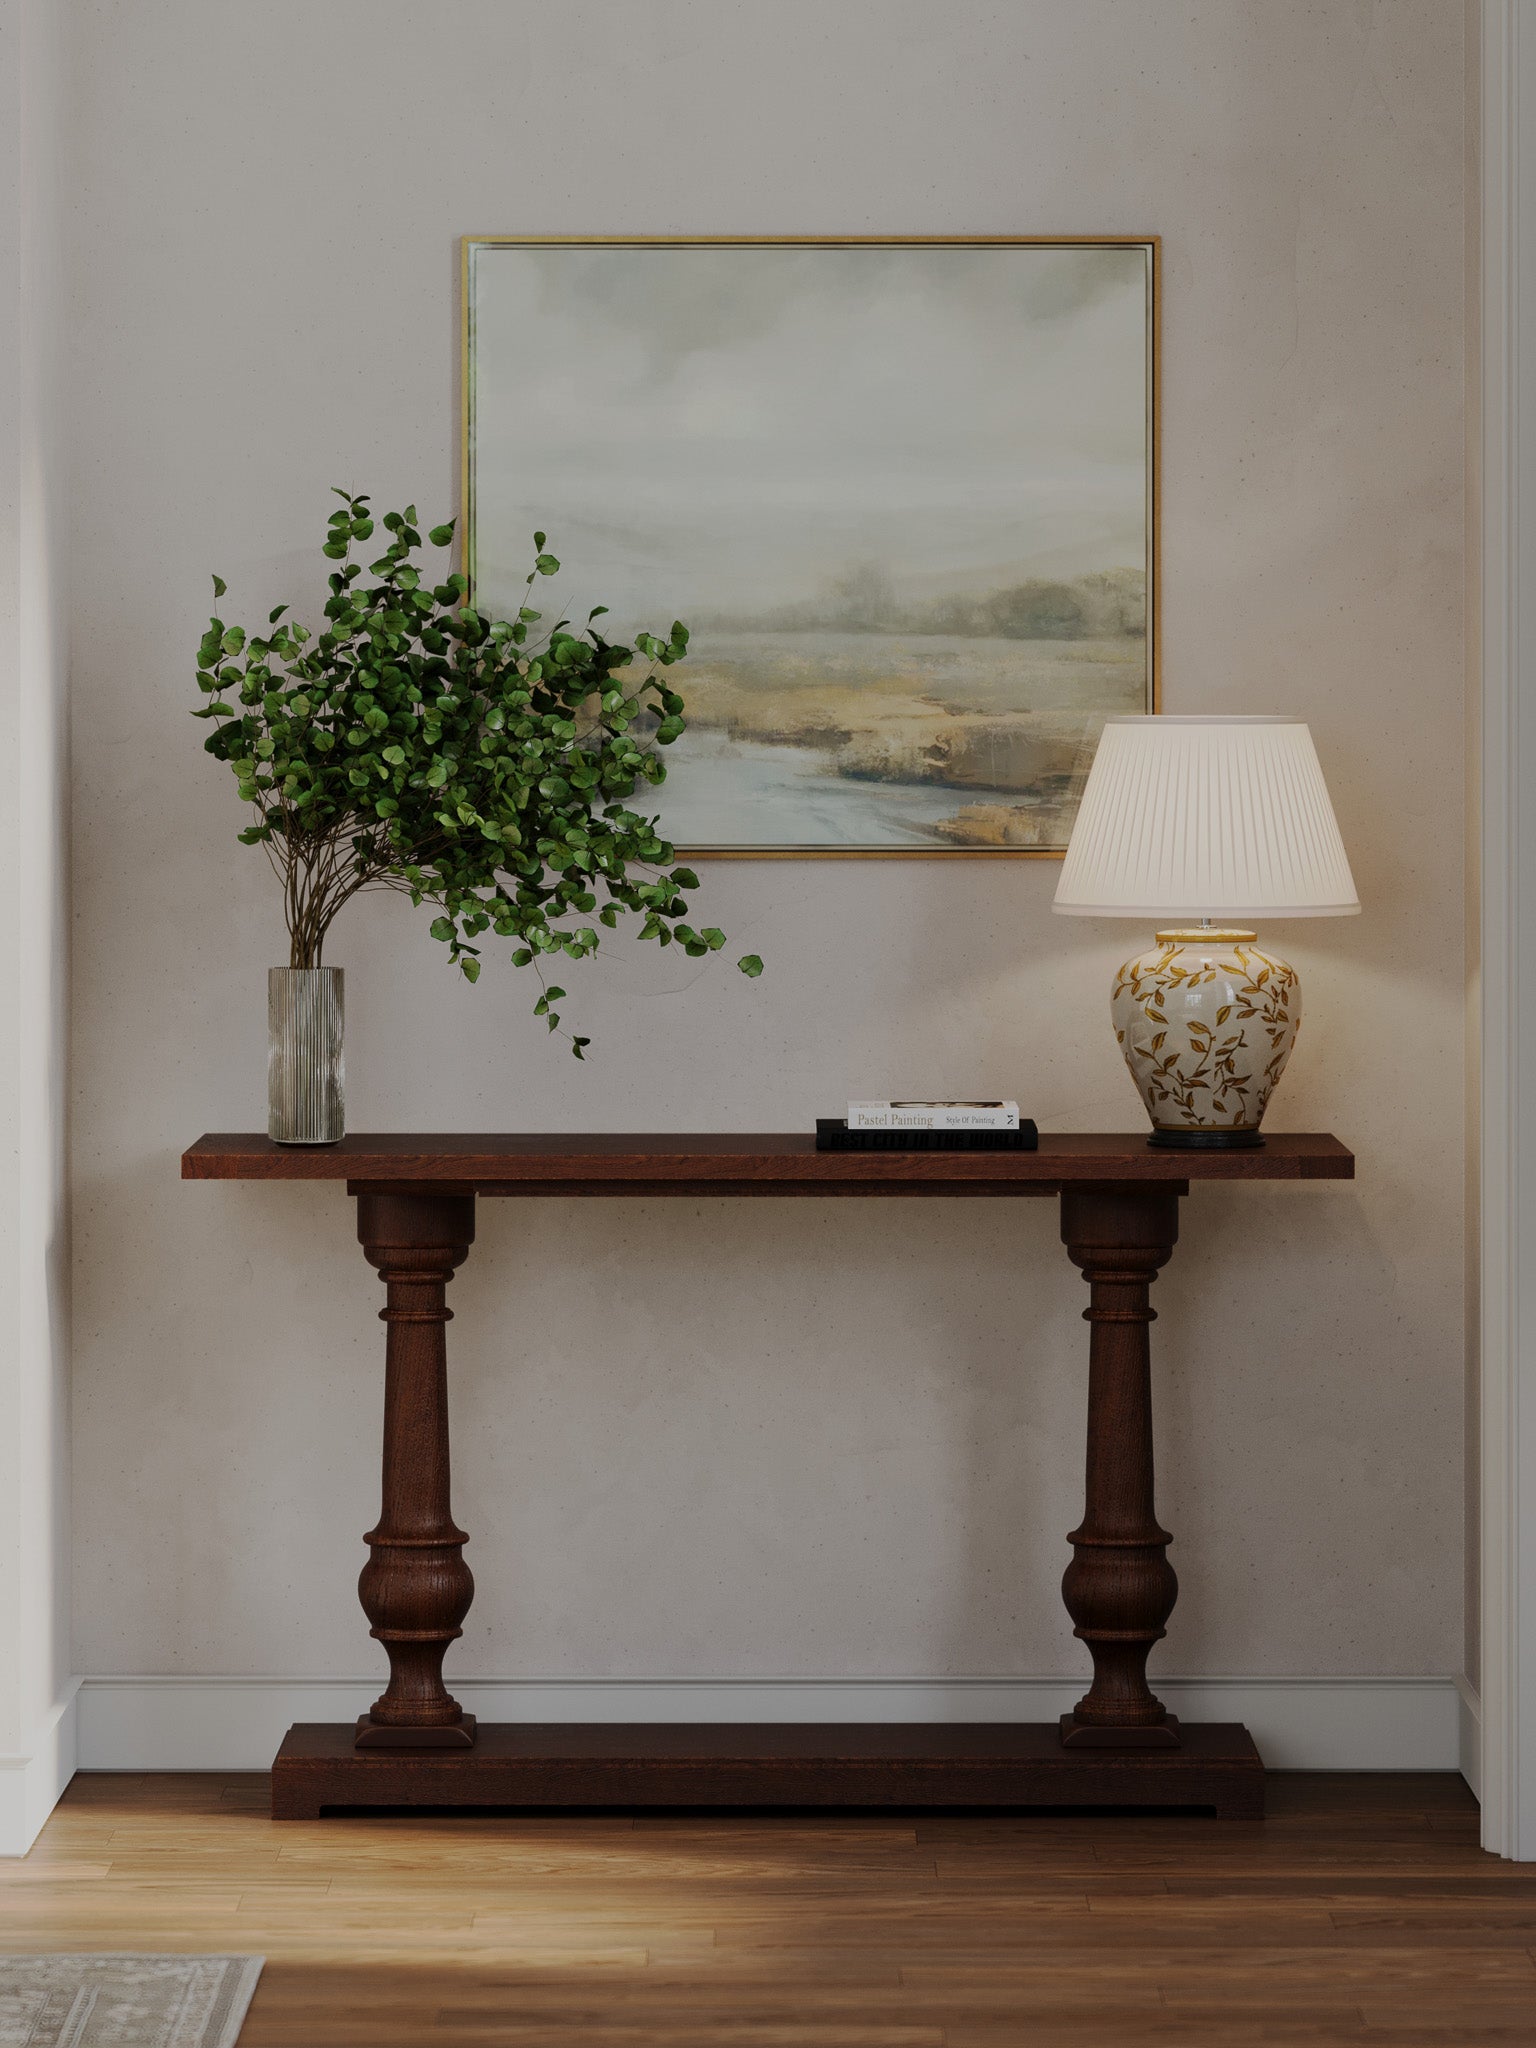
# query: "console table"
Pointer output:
{"type": "Point", "coordinates": [416, 1221]}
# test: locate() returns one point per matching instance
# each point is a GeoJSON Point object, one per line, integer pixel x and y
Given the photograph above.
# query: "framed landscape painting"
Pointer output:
{"type": "Point", "coordinates": [902, 493]}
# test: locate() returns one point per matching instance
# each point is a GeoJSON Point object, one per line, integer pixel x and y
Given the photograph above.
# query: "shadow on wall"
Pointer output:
{"type": "Point", "coordinates": [775, 1472]}
{"type": "Point", "coordinates": [1227, 1385]}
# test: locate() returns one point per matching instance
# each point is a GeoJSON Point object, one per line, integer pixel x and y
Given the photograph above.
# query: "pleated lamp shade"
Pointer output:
{"type": "Point", "coordinates": [1223, 818]}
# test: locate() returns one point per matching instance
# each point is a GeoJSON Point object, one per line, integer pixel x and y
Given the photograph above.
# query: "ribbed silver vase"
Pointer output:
{"type": "Point", "coordinates": [305, 1103]}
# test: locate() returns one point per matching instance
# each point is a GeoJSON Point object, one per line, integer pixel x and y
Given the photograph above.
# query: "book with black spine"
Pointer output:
{"type": "Point", "coordinates": [833, 1135]}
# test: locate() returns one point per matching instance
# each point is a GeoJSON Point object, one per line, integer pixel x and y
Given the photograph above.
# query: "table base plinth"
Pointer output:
{"type": "Point", "coordinates": [719, 1764]}
{"type": "Point", "coordinates": [371, 1734]}
{"type": "Point", "coordinates": [1077, 1734]}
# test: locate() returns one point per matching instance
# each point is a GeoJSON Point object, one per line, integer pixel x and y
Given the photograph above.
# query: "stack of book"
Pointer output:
{"type": "Point", "coordinates": [927, 1126]}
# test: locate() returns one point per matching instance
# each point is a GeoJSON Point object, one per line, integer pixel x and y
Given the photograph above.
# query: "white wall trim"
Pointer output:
{"type": "Point", "coordinates": [36, 1691]}
{"type": "Point", "coordinates": [1469, 1735]}
{"type": "Point", "coordinates": [32, 1785]}
{"type": "Point", "coordinates": [1507, 945]}
{"type": "Point", "coordinates": [236, 1724]}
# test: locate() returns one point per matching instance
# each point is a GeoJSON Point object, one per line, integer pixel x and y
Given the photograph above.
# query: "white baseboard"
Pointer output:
{"type": "Point", "coordinates": [235, 1724]}
{"type": "Point", "coordinates": [1470, 1735]}
{"type": "Point", "coordinates": [31, 1785]}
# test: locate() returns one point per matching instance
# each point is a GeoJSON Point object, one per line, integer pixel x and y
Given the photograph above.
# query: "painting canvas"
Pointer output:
{"type": "Point", "coordinates": [902, 494]}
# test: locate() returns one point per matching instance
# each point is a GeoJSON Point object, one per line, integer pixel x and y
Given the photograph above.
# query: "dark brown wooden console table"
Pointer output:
{"type": "Point", "coordinates": [416, 1746]}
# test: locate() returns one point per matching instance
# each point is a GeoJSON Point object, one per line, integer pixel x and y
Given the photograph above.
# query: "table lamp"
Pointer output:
{"type": "Point", "coordinates": [1206, 824]}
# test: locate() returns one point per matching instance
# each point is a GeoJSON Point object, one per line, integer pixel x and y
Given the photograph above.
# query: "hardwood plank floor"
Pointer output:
{"type": "Point", "coordinates": [1361, 1911]}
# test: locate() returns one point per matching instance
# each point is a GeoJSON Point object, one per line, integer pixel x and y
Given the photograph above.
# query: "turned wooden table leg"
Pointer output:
{"type": "Point", "coordinates": [1119, 1588]}
{"type": "Point", "coordinates": [416, 1587]}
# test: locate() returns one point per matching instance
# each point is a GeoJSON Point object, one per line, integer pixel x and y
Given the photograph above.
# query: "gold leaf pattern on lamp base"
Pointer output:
{"type": "Point", "coordinates": [1206, 1022]}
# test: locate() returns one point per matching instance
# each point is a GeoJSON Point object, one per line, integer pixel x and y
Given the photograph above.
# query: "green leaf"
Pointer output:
{"type": "Point", "coordinates": [441, 535]}
{"type": "Point", "coordinates": [442, 928]}
{"type": "Point", "coordinates": [219, 588]}
{"type": "Point", "coordinates": [750, 965]}
{"type": "Point", "coordinates": [547, 565]}
{"type": "Point", "coordinates": [538, 542]}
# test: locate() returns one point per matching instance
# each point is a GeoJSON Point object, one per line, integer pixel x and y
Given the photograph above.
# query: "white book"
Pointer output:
{"type": "Point", "coordinates": [933, 1116]}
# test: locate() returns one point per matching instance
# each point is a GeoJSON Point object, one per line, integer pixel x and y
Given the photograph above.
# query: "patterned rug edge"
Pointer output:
{"type": "Point", "coordinates": [238, 1978]}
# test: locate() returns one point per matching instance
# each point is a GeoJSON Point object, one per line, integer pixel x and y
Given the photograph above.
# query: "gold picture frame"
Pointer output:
{"type": "Point", "coordinates": [1148, 246]}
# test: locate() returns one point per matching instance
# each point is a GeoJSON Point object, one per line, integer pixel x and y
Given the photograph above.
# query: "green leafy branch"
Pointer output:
{"type": "Point", "coordinates": [473, 764]}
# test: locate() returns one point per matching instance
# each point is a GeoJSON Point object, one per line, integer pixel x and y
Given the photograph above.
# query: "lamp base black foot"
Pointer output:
{"type": "Point", "coordinates": [1206, 1141]}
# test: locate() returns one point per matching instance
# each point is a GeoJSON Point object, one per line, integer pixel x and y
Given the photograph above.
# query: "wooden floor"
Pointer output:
{"type": "Point", "coordinates": [1362, 1910]}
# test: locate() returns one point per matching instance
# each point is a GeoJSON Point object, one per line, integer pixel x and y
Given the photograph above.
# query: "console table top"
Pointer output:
{"type": "Point", "coordinates": [606, 1162]}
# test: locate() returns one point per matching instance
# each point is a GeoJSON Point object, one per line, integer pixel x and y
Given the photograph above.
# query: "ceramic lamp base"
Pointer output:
{"type": "Point", "coordinates": [1206, 1022]}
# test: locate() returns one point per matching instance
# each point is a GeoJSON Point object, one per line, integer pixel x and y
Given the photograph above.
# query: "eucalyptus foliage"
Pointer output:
{"type": "Point", "coordinates": [484, 766]}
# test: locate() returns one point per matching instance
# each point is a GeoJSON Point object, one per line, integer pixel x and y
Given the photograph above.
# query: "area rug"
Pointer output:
{"type": "Point", "coordinates": [124, 2001]}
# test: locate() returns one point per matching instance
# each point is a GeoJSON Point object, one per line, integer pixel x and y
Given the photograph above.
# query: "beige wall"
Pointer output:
{"type": "Point", "coordinates": [800, 1438]}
